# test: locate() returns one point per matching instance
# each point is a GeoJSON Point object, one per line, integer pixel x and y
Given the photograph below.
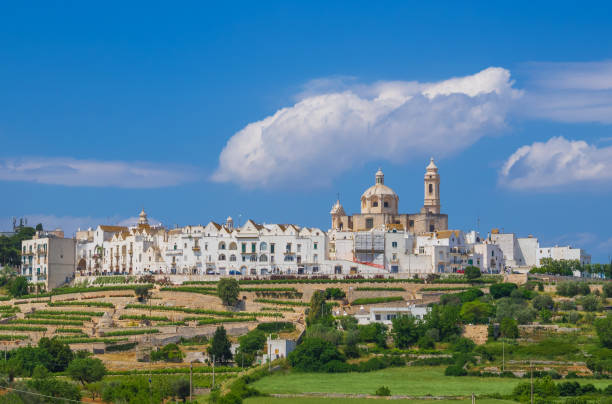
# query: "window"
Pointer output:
{"type": "Point", "coordinates": [263, 246]}
{"type": "Point", "coordinates": [185, 246]}
{"type": "Point", "coordinates": [299, 248]}
{"type": "Point", "coordinates": [315, 257]}
{"type": "Point", "coordinates": [316, 245]}
{"type": "Point", "coordinates": [430, 189]}
{"type": "Point", "coordinates": [174, 248]}
{"type": "Point", "coordinates": [253, 258]}
{"type": "Point", "coordinates": [232, 258]}
{"type": "Point", "coordinates": [244, 247]}
{"type": "Point", "coordinates": [374, 204]}
{"type": "Point", "coordinates": [369, 223]}
{"type": "Point", "coordinates": [421, 250]}
{"type": "Point", "coordinates": [432, 228]}
{"type": "Point", "coordinates": [288, 258]}
{"type": "Point", "coordinates": [288, 247]}
{"type": "Point", "coordinates": [222, 246]}
{"type": "Point", "coordinates": [386, 204]}
{"type": "Point", "coordinates": [377, 317]}
{"type": "Point", "coordinates": [272, 248]}
{"type": "Point", "coordinates": [411, 223]}
{"type": "Point", "coordinates": [492, 253]}
{"type": "Point", "coordinates": [271, 258]}
{"type": "Point", "coordinates": [233, 246]}
{"type": "Point", "coordinates": [394, 244]}
{"type": "Point", "coordinates": [263, 258]}
{"type": "Point", "coordinates": [221, 257]}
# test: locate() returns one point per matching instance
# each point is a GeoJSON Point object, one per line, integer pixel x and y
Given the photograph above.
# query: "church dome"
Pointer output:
{"type": "Point", "coordinates": [379, 188]}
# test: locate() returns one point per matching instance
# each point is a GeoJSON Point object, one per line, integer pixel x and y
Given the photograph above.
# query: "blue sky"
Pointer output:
{"type": "Point", "coordinates": [105, 109]}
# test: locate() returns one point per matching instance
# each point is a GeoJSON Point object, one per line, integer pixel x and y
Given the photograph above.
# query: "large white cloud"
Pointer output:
{"type": "Point", "coordinates": [93, 173]}
{"type": "Point", "coordinates": [326, 133]}
{"type": "Point", "coordinates": [556, 164]}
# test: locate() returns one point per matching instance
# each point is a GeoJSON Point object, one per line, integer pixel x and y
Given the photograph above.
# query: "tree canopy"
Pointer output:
{"type": "Point", "coordinates": [228, 290]}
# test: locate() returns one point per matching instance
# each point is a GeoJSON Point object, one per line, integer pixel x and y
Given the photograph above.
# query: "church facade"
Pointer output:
{"type": "Point", "coordinates": [380, 209]}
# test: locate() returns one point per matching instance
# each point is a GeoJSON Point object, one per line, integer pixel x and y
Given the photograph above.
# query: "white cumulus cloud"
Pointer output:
{"type": "Point", "coordinates": [93, 173]}
{"type": "Point", "coordinates": [327, 132]}
{"type": "Point", "coordinates": [555, 164]}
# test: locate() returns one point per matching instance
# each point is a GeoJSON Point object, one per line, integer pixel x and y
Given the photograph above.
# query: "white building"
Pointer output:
{"type": "Point", "coordinates": [48, 258]}
{"type": "Point", "coordinates": [385, 315]}
{"type": "Point", "coordinates": [566, 253]}
{"type": "Point", "coordinates": [278, 348]}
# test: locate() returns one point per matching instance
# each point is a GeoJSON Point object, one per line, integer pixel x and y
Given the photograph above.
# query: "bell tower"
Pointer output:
{"type": "Point", "coordinates": [432, 189]}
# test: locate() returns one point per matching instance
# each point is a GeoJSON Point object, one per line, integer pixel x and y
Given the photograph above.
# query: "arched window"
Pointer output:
{"type": "Point", "coordinates": [222, 246]}
{"type": "Point", "coordinates": [232, 258]}
{"type": "Point", "coordinates": [253, 258]}
{"type": "Point", "coordinates": [315, 257]}
{"type": "Point", "coordinates": [221, 257]}
{"type": "Point", "coordinates": [233, 246]}
{"type": "Point", "coordinates": [263, 246]}
{"type": "Point", "coordinates": [263, 258]}
{"type": "Point", "coordinates": [431, 188]}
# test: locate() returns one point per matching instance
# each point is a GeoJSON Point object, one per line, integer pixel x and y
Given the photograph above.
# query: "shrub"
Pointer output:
{"type": "Point", "coordinates": [571, 288]}
{"type": "Point", "coordinates": [228, 290]}
{"type": "Point", "coordinates": [499, 290]}
{"type": "Point", "coordinates": [121, 333]}
{"type": "Point", "coordinates": [541, 302]}
{"type": "Point", "coordinates": [472, 272]}
{"type": "Point", "coordinates": [276, 326]}
{"type": "Point", "coordinates": [590, 303]}
{"type": "Point", "coordinates": [168, 353]}
{"type": "Point", "coordinates": [81, 303]}
{"type": "Point", "coordinates": [607, 290]}
{"type": "Point", "coordinates": [603, 326]}
{"type": "Point", "coordinates": [373, 332]}
{"type": "Point", "coordinates": [405, 331]}
{"type": "Point", "coordinates": [281, 302]}
{"type": "Point", "coordinates": [334, 294]}
{"type": "Point", "coordinates": [121, 347]}
{"type": "Point", "coordinates": [568, 305]}
{"type": "Point", "coordinates": [509, 328]}
{"type": "Point", "coordinates": [313, 354]}
{"type": "Point", "coordinates": [383, 391]}
{"type": "Point", "coordinates": [379, 289]}
{"type": "Point", "coordinates": [455, 370]}
{"type": "Point", "coordinates": [476, 312]}
{"type": "Point", "coordinates": [463, 345]}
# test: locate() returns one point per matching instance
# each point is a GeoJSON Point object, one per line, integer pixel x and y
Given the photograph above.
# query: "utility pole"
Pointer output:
{"type": "Point", "coordinates": [190, 381]}
{"type": "Point", "coordinates": [269, 352]}
{"type": "Point", "coordinates": [213, 382]}
{"type": "Point", "coordinates": [531, 369]}
{"type": "Point", "coordinates": [503, 355]}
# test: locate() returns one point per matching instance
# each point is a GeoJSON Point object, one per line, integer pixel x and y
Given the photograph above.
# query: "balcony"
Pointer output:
{"type": "Point", "coordinates": [196, 249]}
{"type": "Point", "coordinates": [174, 252]}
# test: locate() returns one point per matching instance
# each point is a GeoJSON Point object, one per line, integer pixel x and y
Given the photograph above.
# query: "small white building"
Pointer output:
{"type": "Point", "coordinates": [48, 258]}
{"type": "Point", "coordinates": [385, 315]}
{"type": "Point", "coordinates": [278, 348]}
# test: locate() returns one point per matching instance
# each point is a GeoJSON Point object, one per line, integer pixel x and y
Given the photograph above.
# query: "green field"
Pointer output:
{"type": "Point", "coordinates": [317, 400]}
{"type": "Point", "coordinates": [408, 381]}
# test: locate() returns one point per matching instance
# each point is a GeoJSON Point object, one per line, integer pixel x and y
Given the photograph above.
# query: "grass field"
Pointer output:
{"type": "Point", "coordinates": [317, 400]}
{"type": "Point", "coordinates": [409, 381]}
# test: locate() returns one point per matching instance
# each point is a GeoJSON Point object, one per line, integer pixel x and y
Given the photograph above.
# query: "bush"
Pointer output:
{"type": "Point", "coordinates": [568, 305]}
{"type": "Point", "coordinates": [472, 272]}
{"type": "Point", "coordinates": [383, 391]}
{"type": "Point", "coordinates": [334, 294]}
{"type": "Point", "coordinates": [509, 328]}
{"type": "Point", "coordinates": [463, 345]}
{"type": "Point", "coordinates": [476, 312]}
{"type": "Point", "coordinates": [455, 370]}
{"type": "Point", "coordinates": [499, 290]}
{"type": "Point", "coordinates": [607, 290]}
{"type": "Point", "coordinates": [228, 290]}
{"type": "Point", "coordinates": [590, 303]}
{"type": "Point", "coordinates": [541, 302]}
{"type": "Point", "coordinates": [405, 331]}
{"type": "Point", "coordinates": [276, 326]}
{"type": "Point", "coordinates": [603, 326]}
{"type": "Point", "coordinates": [571, 288]}
{"type": "Point", "coordinates": [313, 354]}
{"type": "Point", "coordinates": [373, 332]}
{"type": "Point", "coordinates": [168, 353]}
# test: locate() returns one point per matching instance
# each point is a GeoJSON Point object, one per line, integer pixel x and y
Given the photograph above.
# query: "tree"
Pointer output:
{"type": "Point", "coordinates": [252, 341]}
{"type": "Point", "coordinates": [405, 331]}
{"type": "Point", "coordinates": [472, 273]}
{"type": "Point", "coordinates": [541, 302]}
{"type": "Point", "coordinates": [607, 290]}
{"type": "Point", "coordinates": [142, 292]}
{"type": "Point", "coordinates": [319, 311]}
{"type": "Point", "coordinates": [94, 389]}
{"type": "Point", "coordinates": [228, 290]}
{"type": "Point", "coordinates": [603, 326]}
{"type": "Point", "coordinates": [19, 287]}
{"type": "Point", "coordinates": [181, 388]}
{"type": "Point", "coordinates": [39, 227]}
{"type": "Point", "coordinates": [545, 316]}
{"type": "Point", "coordinates": [86, 370]}
{"type": "Point", "coordinates": [590, 303]}
{"type": "Point", "coordinates": [351, 338]}
{"type": "Point", "coordinates": [60, 352]}
{"type": "Point", "coordinates": [313, 354]}
{"type": "Point", "coordinates": [509, 328]}
{"type": "Point", "coordinates": [499, 290]}
{"type": "Point", "coordinates": [476, 312]}
{"type": "Point", "coordinates": [220, 346]}
{"type": "Point", "coordinates": [463, 345]}
{"type": "Point", "coordinates": [374, 332]}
